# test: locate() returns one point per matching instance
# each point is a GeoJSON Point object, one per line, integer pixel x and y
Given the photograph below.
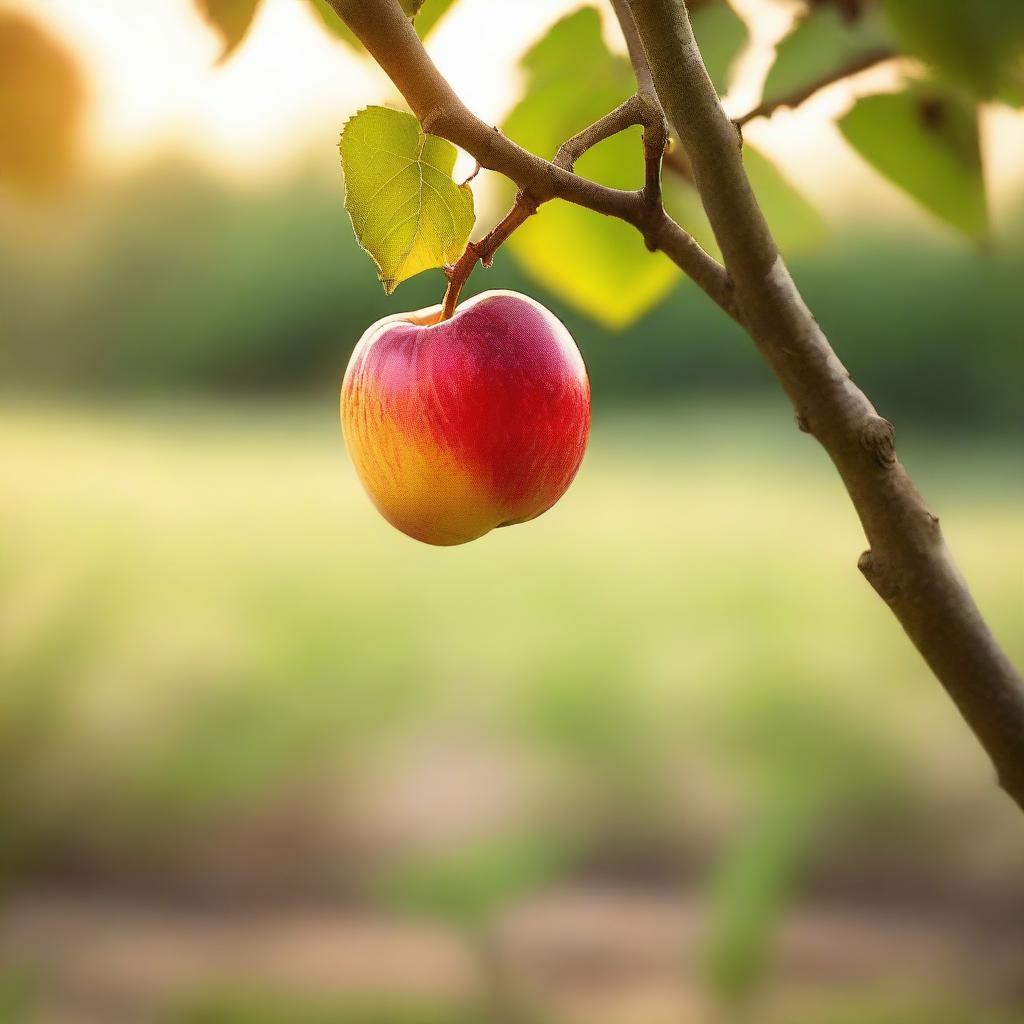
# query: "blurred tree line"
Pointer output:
{"type": "Point", "coordinates": [173, 280]}
{"type": "Point", "coordinates": [176, 281]}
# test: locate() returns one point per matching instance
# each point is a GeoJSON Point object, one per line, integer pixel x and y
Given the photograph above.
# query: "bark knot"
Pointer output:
{"type": "Point", "coordinates": [878, 437]}
{"type": "Point", "coordinates": [875, 573]}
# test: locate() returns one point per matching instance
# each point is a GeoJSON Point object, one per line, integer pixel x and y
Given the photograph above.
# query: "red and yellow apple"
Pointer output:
{"type": "Point", "coordinates": [457, 426]}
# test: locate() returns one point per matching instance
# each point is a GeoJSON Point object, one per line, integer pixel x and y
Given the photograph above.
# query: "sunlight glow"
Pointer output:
{"type": "Point", "coordinates": [156, 85]}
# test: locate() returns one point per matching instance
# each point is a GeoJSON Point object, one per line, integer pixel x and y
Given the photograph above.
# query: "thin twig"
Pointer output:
{"type": "Point", "coordinates": [483, 251]}
{"type": "Point", "coordinates": [793, 99]}
{"type": "Point", "coordinates": [637, 57]}
{"type": "Point", "coordinates": [655, 125]}
{"type": "Point", "coordinates": [625, 115]}
{"type": "Point", "coordinates": [472, 175]}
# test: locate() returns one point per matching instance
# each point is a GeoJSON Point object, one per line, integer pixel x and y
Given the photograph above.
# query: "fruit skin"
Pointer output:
{"type": "Point", "coordinates": [461, 425]}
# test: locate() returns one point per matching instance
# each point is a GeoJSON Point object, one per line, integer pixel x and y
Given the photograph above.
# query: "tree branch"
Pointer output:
{"type": "Point", "coordinates": [625, 115]}
{"type": "Point", "coordinates": [383, 28]}
{"type": "Point", "coordinates": [483, 251]}
{"type": "Point", "coordinates": [867, 60]}
{"type": "Point", "coordinates": [655, 125]}
{"type": "Point", "coordinates": [908, 563]}
{"type": "Point", "coordinates": [635, 46]}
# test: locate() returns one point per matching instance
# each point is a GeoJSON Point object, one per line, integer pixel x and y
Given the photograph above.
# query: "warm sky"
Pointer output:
{"type": "Point", "coordinates": [290, 87]}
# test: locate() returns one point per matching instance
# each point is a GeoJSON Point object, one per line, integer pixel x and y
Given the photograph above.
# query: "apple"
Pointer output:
{"type": "Point", "coordinates": [458, 426]}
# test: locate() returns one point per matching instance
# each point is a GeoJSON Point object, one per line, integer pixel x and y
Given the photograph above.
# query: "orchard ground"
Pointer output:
{"type": "Point", "coordinates": [232, 699]}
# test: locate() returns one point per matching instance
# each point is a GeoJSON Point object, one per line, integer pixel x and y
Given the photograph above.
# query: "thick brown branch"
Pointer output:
{"type": "Point", "coordinates": [798, 96]}
{"type": "Point", "coordinates": [908, 562]}
{"type": "Point", "coordinates": [385, 31]}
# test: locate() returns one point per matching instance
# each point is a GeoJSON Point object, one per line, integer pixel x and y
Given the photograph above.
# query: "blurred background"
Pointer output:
{"type": "Point", "coordinates": [660, 755]}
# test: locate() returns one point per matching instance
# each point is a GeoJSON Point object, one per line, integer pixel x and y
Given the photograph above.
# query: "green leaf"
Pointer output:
{"type": "Point", "coordinates": [231, 18]}
{"type": "Point", "coordinates": [406, 210]}
{"type": "Point", "coordinates": [721, 34]}
{"type": "Point", "coordinates": [821, 42]}
{"type": "Point", "coordinates": [467, 887]}
{"type": "Point", "coordinates": [426, 14]}
{"type": "Point", "coordinates": [41, 106]}
{"type": "Point", "coordinates": [597, 264]}
{"type": "Point", "coordinates": [978, 45]}
{"type": "Point", "coordinates": [925, 140]}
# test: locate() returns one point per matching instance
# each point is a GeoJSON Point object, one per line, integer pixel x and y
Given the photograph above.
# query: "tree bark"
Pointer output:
{"type": "Point", "coordinates": [908, 562]}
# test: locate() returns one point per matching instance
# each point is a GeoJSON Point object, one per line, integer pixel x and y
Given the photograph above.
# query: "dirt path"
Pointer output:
{"type": "Point", "coordinates": [592, 954]}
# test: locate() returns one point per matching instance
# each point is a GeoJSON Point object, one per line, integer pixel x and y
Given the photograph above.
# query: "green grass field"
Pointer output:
{"type": "Point", "coordinates": [198, 601]}
{"type": "Point", "coordinates": [200, 610]}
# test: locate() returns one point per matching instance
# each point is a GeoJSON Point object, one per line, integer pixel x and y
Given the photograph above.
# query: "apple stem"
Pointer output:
{"type": "Point", "coordinates": [483, 251]}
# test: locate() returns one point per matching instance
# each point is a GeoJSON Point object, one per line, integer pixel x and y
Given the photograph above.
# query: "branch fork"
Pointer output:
{"type": "Point", "coordinates": [637, 110]}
